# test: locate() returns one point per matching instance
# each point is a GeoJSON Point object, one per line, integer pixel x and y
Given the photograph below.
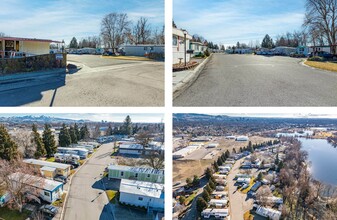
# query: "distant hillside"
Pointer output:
{"type": "Point", "coordinates": [38, 119]}
{"type": "Point", "coordinates": [198, 117]}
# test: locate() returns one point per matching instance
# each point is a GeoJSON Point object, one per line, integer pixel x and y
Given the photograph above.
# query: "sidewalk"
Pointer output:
{"type": "Point", "coordinates": [22, 80]}
{"type": "Point", "coordinates": [184, 79]}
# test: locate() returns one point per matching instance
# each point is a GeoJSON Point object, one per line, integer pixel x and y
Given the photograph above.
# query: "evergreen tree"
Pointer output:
{"type": "Point", "coordinates": [64, 136]}
{"type": "Point", "coordinates": [188, 182]}
{"type": "Point", "coordinates": [234, 151]}
{"type": "Point", "coordinates": [73, 43]}
{"type": "Point", "coordinates": [216, 167]}
{"type": "Point", "coordinates": [37, 140]}
{"type": "Point", "coordinates": [196, 181]}
{"type": "Point", "coordinates": [227, 154]}
{"type": "Point", "coordinates": [127, 126]}
{"type": "Point", "coordinates": [49, 141]}
{"type": "Point", "coordinates": [206, 196]}
{"type": "Point", "coordinates": [208, 188]}
{"type": "Point", "coordinates": [84, 133]}
{"type": "Point", "coordinates": [8, 148]}
{"type": "Point", "coordinates": [267, 42]}
{"type": "Point", "coordinates": [201, 204]}
{"type": "Point", "coordinates": [259, 177]}
{"type": "Point", "coordinates": [219, 161]}
{"type": "Point", "coordinates": [208, 173]}
{"type": "Point", "coordinates": [73, 135]}
{"type": "Point", "coordinates": [109, 131]}
{"type": "Point", "coordinates": [77, 132]}
{"type": "Point", "coordinates": [211, 184]}
{"type": "Point", "coordinates": [182, 200]}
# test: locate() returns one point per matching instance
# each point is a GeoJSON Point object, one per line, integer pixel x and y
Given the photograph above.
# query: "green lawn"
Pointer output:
{"type": "Point", "coordinates": [52, 159]}
{"type": "Point", "coordinates": [190, 198]}
{"type": "Point", "coordinates": [111, 195]}
{"type": "Point", "coordinates": [252, 181]}
{"type": "Point", "coordinates": [8, 214]}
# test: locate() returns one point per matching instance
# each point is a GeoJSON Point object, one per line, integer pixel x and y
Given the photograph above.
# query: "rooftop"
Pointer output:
{"type": "Point", "coordinates": [29, 39]}
{"type": "Point", "coordinates": [47, 163]}
{"type": "Point", "coordinates": [131, 146]}
{"type": "Point", "coordinates": [35, 181]}
{"type": "Point", "coordinates": [146, 170]}
{"type": "Point", "coordinates": [154, 190]}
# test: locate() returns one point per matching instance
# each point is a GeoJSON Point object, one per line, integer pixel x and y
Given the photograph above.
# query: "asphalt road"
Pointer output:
{"type": "Point", "coordinates": [97, 82]}
{"type": "Point", "coordinates": [248, 80]}
{"type": "Point", "coordinates": [237, 200]}
{"type": "Point", "coordinates": [87, 198]}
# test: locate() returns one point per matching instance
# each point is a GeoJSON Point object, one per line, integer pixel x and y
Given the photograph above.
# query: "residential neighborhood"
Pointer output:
{"type": "Point", "coordinates": [262, 175]}
{"type": "Point", "coordinates": [109, 55]}
{"type": "Point", "coordinates": [269, 56]}
{"type": "Point", "coordinates": [63, 167]}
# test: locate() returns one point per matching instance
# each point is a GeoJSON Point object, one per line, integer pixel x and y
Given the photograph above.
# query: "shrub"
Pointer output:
{"type": "Point", "coordinates": [207, 53]}
{"type": "Point", "coordinates": [316, 58]}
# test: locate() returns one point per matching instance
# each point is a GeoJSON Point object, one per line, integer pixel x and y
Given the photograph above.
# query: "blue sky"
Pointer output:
{"type": "Point", "coordinates": [230, 21]}
{"type": "Point", "coordinates": [116, 117]}
{"type": "Point", "coordinates": [63, 19]}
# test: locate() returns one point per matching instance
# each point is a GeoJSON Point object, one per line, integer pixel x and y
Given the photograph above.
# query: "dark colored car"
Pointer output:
{"type": "Point", "coordinates": [74, 165]}
{"type": "Point", "coordinates": [61, 179]}
{"type": "Point", "coordinates": [48, 210]}
{"type": "Point", "coordinates": [323, 54]}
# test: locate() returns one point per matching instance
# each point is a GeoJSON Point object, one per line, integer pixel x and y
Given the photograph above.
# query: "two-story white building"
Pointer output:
{"type": "Point", "coordinates": [179, 49]}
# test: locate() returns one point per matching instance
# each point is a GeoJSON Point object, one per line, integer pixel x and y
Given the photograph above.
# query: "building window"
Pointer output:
{"type": "Point", "coordinates": [136, 175]}
{"type": "Point", "coordinates": [140, 198]}
{"type": "Point", "coordinates": [175, 40]}
{"type": "Point", "coordinates": [122, 173]}
{"type": "Point", "coordinates": [148, 175]}
{"type": "Point", "coordinates": [46, 193]}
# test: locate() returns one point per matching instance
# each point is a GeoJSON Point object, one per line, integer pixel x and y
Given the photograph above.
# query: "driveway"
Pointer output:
{"type": "Point", "coordinates": [237, 200]}
{"type": "Point", "coordinates": [87, 198]}
{"type": "Point", "coordinates": [248, 80]}
{"type": "Point", "coordinates": [97, 81]}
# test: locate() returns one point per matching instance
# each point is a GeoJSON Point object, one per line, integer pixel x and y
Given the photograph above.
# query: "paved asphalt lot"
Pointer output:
{"type": "Point", "coordinates": [87, 198]}
{"type": "Point", "coordinates": [98, 82]}
{"type": "Point", "coordinates": [248, 80]}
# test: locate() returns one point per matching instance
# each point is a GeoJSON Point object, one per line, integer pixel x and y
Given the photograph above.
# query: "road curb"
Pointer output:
{"type": "Point", "coordinates": [23, 80]}
{"type": "Point", "coordinates": [189, 79]}
{"type": "Point", "coordinates": [70, 181]}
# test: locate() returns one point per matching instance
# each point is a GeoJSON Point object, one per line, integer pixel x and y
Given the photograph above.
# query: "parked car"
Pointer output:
{"type": "Point", "coordinates": [245, 186]}
{"type": "Point", "coordinates": [325, 55]}
{"type": "Point", "coordinates": [61, 179]}
{"type": "Point", "coordinates": [48, 210]}
{"type": "Point", "coordinates": [74, 165]}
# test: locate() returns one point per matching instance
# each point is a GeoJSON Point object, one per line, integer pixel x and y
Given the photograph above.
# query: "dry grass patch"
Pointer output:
{"type": "Point", "coordinates": [248, 216]}
{"type": "Point", "coordinates": [322, 65]}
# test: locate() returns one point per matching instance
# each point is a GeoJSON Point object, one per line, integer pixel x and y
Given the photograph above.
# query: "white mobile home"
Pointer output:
{"type": "Point", "coordinates": [286, 51]}
{"type": "Point", "coordinates": [197, 47]}
{"type": "Point", "coordinates": [142, 50]}
{"type": "Point", "coordinates": [178, 42]}
{"type": "Point", "coordinates": [136, 173]}
{"type": "Point", "coordinates": [47, 190]}
{"type": "Point", "coordinates": [216, 213]}
{"type": "Point", "coordinates": [131, 149]}
{"type": "Point", "coordinates": [142, 194]}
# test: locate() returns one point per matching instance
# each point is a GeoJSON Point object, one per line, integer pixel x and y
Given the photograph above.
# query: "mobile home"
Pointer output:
{"type": "Point", "coordinates": [82, 153]}
{"type": "Point", "coordinates": [49, 169]}
{"type": "Point", "coordinates": [136, 173]}
{"type": "Point", "coordinates": [142, 194]}
{"type": "Point", "coordinates": [47, 190]}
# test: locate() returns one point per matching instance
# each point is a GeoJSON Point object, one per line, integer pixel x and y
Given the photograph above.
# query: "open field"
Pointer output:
{"type": "Point", "coordinates": [183, 169]}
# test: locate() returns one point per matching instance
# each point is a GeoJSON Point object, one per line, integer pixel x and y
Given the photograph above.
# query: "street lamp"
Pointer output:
{"type": "Point", "coordinates": [63, 46]}
{"type": "Point", "coordinates": [185, 33]}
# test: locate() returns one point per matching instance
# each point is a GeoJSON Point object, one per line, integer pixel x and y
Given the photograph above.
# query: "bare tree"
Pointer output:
{"type": "Point", "coordinates": [19, 180]}
{"type": "Point", "coordinates": [114, 29]}
{"type": "Point", "coordinates": [154, 160]}
{"type": "Point", "coordinates": [263, 195]}
{"type": "Point", "coordinates": [142, 31]}
{"type": "Point", "coordinates": [322, 15]}
{"type": "Point", "coordinates": [24, 140]}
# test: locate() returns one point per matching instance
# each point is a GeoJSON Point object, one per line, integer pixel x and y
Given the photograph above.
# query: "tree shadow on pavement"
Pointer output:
{"type": "Point", "coordinates": [72, 68]}
{"type": "Point", "coordinates": [106, 184]}
{"type": "Point", "coordinates": [31, 91]}
{"type": "Point", "coordinates": [106, 213]}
